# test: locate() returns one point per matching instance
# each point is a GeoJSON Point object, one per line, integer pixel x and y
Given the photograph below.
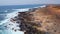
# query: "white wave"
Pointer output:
{"type": "Point", "coordinates": [12, 15]}
{"type": "Point", "coordinates": [43, 6]}
{"type": "Point", "coordinates": [21, 10]}
{"type": "Point", "coordinates": [40, 6]}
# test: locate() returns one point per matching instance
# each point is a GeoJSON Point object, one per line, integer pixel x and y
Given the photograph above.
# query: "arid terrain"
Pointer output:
{"type": "Point", "coordinates": [44, 20]}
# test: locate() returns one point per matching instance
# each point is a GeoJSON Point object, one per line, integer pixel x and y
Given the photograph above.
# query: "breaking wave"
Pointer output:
{"type": "Point", "coordinates": [5, 23]}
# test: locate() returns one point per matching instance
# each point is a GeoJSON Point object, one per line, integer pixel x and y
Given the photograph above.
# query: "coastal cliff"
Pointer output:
{"type": "Point", "coordinates": [44, 20]}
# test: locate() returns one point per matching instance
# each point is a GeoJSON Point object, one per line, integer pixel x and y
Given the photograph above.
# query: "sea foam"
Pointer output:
{"type": "Point", "coordinates": [12, 15]}
{"type": "Point", "coordinates": [7, 21]}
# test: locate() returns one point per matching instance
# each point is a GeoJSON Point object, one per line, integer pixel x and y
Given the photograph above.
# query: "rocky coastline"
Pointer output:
{"type": "Point", "coordinates": [44, 20]}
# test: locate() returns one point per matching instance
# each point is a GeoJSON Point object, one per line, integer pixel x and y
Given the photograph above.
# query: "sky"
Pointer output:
{"type": "Point", "coordinates": [22, 2]}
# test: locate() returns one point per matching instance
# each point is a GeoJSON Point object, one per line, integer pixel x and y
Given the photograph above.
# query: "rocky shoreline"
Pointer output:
{"type": "Point", "coordinates": [40, 20]}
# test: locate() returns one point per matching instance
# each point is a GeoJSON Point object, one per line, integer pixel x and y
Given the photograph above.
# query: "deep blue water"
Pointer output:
{"type": "Point", "coordinates": [19, 6]}
{"type": "Point", "coordinates": [3, 9]}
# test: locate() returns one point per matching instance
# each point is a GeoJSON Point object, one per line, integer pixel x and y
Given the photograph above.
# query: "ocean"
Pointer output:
{"type": "Point", "coordinates": [7, 12]}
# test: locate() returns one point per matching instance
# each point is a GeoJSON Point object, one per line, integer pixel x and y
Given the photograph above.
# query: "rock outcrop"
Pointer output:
{"type": "Point", "coordinates": [44, 20]}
